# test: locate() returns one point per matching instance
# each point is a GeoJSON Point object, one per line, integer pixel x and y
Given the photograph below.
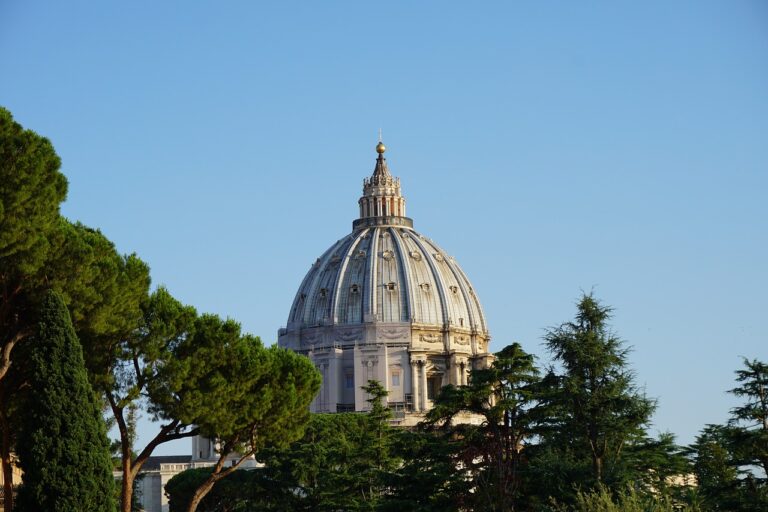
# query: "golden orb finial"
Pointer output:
{"type": "Point", "coordinates": [380, 147]}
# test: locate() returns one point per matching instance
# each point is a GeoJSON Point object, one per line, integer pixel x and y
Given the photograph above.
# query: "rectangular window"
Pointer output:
{"type": "Point", "coordinates": [395, 379]}
{"type": "Point", "coordinates": [349, 381]}
{"type": "Point", "coordinates": [433, 386]}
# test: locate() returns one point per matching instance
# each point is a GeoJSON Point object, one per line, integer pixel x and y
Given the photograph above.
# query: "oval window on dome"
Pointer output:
{"type": "Point", "coordinates": [415, 255]}
{"type": "Point", "coordinates": [387, 255]}
{"type": "Point", "coordinates": [354, 288]}
{"type": "Point", "coordinates": [391, 286]}
{"type": "Point", "coordinates": [438, 256]}
{"type": "Point", "coordinates": [424, 286]}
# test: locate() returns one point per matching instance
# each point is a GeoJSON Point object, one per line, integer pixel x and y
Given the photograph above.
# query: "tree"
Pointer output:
{"type": "Point", "coordinates": [428, 478]}
{"type": "Point", "coordinates": [31, 189]}
{"type": "Point", "coordinates": [750, 421]}
{"type": "Point", "coordinates": [595, 409]}
{"type": "Point", "coordinates": [492, 452]}
{"type": "Point", "coordinates": [134, 371]}
{"type": "Point", "coordinates": [63, 448]}
{"type": "Point", "coordinates": [242, 490]}
{"type": "Point", "coordinates": [716, 474]}
{"type": "Point", "coordinates": [103, 291]}
{"type": "Point", "coordinates": [659, 466]}
{"type": "Point", "coordinates": [725, 456]}
{"type": "Point", "coordinates": [244, 396]}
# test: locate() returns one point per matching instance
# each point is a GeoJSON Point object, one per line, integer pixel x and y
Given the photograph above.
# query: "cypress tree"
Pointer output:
{"type": "Point", "coordinates": [63, 447]}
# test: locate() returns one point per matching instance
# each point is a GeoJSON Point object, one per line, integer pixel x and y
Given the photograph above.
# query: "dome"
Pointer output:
{"type": "Point", "coordinates": [387, 274]}
{"type": "Point", "coordinates": [386, 303]}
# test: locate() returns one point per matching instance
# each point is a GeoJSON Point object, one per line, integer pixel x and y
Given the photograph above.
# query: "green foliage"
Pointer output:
{"type": "Point", "coordinates": [490, 453]}
{"type": "Point", "coordinates": [726, 458]}
{"type": "Point", "coordinates": [31, 189]}
{"type": "Point", "coordinates": [242, 491]}
{"type": "Point", "coordinates": [104, 291]}
{"type": "Point", "coordinates": [714, 467]}
{"type": "Point", "coordinates": [602, 499]}
{"type": "Point", "coordinates": [657, 465]}
{"type": "Point", "coordinates": [329, 469]}
{"type": "Point", "coordinates": [63, 448]}
{"type": "Point", "coordinates": [593, 411]}
{"type": "Point", "coordinates": [750, 421]}
{"type": "Point", "coordinates": [428, 478]}
{"type": "Point", "coordinates": [233, 388]}
{"type": "Point", "coordinates": [245, 396]}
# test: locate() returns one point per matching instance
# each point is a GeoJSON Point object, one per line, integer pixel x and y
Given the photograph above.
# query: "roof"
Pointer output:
{"type": "Point", "coordinates": [153, 463]}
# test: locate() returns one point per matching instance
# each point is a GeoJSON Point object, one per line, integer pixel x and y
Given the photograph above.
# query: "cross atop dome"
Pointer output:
{"type": "Point", "coordinates": [382, 203]}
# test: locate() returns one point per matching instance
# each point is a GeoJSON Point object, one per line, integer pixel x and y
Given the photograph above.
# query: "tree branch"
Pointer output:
{"type": "Point", "coordinates": [165, 435]}
{"type": "Point", "coordinates": [5, 362]}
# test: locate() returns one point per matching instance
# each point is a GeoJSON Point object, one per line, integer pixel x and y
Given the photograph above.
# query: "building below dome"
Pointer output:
{"type": "Point", "coordinates": [386, 303]}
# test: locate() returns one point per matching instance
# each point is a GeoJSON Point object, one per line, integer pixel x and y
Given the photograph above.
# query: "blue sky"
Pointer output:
{"type": "Point", "coordinates": [551, 147]}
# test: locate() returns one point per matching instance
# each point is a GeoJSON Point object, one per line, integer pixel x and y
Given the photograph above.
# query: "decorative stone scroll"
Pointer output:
{"type": "Point", "coordinates": [461, 340]}
{"type": "Point", "coordinates": [348, 336]}
{"type": "Point", "coordinates": [430, 338]}
{"type": "Point", "coordinates": [392, 333]}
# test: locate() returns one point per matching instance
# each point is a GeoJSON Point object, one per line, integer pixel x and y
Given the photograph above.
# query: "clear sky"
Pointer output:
{"type": "Point", "coordinates": [551, 147]}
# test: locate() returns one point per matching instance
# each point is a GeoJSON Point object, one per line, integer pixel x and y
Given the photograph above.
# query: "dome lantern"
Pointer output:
{"type": "Point", "coordinates": [382, 202]}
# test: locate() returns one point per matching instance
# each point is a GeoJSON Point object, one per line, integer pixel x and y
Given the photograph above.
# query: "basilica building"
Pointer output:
{"type": "Point", "coordinates": [386, 303]}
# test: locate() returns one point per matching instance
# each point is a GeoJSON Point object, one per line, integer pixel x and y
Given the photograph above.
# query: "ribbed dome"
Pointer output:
{"type": "Point", "coordinates": [386, 274]}
{"type": "Point", "coordinates": [385, 303]}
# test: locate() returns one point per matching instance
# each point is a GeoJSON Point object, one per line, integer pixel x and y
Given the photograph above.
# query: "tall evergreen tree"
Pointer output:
{"type": "Point", "coordinates": [750, 420]}
{"type": "Point", "coordinates": [63, 447]}
{"type": "Point", "coordinates": [595, 409]}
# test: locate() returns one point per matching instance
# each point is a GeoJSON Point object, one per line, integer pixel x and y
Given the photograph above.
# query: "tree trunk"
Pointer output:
{"type": "Point", "coordinates": [200, 493]}
{"type": "Point", "coordinates": [597, 468]}
{"type": "Point", "coordinates": [217, 474]}
{"type": "Point", "coordinates": [126, 490]}
{"type": "Point", "coordinates": [7, 468]}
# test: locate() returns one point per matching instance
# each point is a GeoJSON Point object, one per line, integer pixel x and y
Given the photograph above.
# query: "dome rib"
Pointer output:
{"type": "Point", "coordinates": [342, 280]}
{"type": "Point", "coordinates": [369, 308]}
{"type": "Point", "coordinates": [406, 271]}
{"type": "Point", "coordinates": [475, 303]}
{"type": "Point", "coordinates": [437, 279]}
{"type": "Point", "coordinates": [316, 307]}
